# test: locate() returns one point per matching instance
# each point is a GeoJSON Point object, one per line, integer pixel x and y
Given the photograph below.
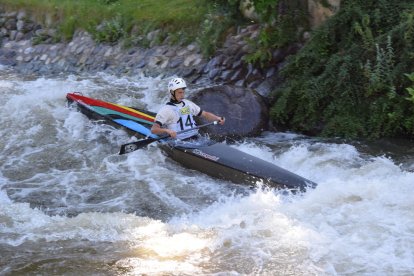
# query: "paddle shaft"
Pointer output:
{"type": "Point", "coordinates": [133, 146]}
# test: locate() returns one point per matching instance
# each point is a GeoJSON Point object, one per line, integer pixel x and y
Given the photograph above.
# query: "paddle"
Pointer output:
{"type": "Point", "coordinates": [133, 146]}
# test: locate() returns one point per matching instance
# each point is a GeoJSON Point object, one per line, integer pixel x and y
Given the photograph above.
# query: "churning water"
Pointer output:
{"type": "Point", "coordinates": [69, 204]}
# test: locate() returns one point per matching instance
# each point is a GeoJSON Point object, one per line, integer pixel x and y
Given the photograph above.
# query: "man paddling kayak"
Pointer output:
{"type": "Point", "coordinates": [177, 114]}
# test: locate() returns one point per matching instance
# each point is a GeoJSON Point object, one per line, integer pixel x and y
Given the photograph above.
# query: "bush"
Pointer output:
{"type": "Point", "coordinates": [349, 79]}
{"type": "Point", "coordinates": [282, 22]}
{"type": "Point", "coordinates": [218, 21]}
{"type": "Point", "coordinates": [109, 31]}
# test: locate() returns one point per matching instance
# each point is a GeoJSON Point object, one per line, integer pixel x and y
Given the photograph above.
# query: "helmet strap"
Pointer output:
{"type": "Point", "coordinates": [173, 98]}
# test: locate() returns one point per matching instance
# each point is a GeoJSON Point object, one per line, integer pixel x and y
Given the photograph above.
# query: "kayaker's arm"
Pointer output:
{"type": "Point", "coordinates": [212, 117]}
{"type": "Point", "coordinates": [158, 130]}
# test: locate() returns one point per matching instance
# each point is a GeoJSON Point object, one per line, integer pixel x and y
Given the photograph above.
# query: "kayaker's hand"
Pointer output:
{"type": "Point", "coordinates": [172, 133]}
{"type": "Point", "coordinates": [221, 120]}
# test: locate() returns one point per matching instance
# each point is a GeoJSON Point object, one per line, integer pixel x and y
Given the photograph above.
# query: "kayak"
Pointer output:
{"type": "Point", "coordinates": [213, 158]}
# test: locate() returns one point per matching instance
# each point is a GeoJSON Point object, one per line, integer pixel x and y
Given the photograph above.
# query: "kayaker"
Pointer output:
{"type": "Point", "coordinates": [178, 113]}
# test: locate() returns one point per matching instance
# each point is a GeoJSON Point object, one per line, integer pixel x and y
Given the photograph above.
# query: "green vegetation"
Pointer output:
{"type": "Point", "coordinates": [282, 22]}
{"type": "Point", "coordinates": [130, 20]}
{"type": "Point", "coordinates": [350, 79]}
{"type": "Point", "coordinates": [410, 90]}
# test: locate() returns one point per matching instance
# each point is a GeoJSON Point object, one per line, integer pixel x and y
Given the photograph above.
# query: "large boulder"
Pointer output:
{"type": "Point", "coordinates": [245, 111]}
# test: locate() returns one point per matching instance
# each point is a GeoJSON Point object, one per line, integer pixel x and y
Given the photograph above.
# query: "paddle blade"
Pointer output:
{"type": "Point", "coordinates": [133, 146]}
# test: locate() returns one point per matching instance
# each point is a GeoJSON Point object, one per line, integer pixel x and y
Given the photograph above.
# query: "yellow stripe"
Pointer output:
{"type": "Point", "coordinates": [135, 111]}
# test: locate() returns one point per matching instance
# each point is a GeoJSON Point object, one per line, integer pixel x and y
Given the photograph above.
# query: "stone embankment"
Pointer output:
{"type": "Point", "coordinates": [31, 49]}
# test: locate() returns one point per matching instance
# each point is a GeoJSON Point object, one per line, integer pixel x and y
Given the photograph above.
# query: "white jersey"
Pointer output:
{"type": "Point", "coordinates": [178, 117]}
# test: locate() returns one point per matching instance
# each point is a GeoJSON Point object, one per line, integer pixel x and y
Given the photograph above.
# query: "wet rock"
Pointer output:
{"type": "Point", "coordinates": [7, 62]}
{"type": "Point", "coordinates": [20, 15]}
{"type": "Point", "coordinates": [11, 24]}
{"type": "Point", "coordinates": [245, 110]}
{"type": "Point", "coordinates": [3, 32]}
{"type": "Point", "coordinates": [213, 73]}
{"type": "Point", "coordinates": [193, 59]}
{"type": "Point", "coordinates": [176, 62]}
{"type": "Point", "coordinates": [141, 64]}
{"type": "Point", "coordinates": [226, 75]}
{"type": "Point", "coordinates": [25, 26]}
{"type": "Point", "coordinates": [12, 35]}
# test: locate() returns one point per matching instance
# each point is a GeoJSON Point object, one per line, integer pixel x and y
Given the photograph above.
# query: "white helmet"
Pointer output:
{"type": "Point", "coordinates": [176, 83]}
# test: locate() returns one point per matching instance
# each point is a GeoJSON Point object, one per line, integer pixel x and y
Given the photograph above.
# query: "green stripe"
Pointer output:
{"type": "Point", "coordinates": [108, 112]}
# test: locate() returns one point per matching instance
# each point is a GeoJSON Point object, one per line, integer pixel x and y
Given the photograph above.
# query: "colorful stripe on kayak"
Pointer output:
{"type": "Point", "coordinates": [122, 115]}
{"type": "Point", "coordinates": [106, 108]}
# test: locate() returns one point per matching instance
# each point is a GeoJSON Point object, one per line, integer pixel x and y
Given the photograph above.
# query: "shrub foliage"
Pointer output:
{"type": "Point", "coordinates": [350, 79]}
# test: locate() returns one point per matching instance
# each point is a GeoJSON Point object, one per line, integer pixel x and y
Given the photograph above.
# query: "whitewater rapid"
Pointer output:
{"type": "Point", "coordinates": [70, 204]}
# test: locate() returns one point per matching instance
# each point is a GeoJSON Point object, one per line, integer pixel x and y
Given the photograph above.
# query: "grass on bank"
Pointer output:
{"type": "Point", "coordinates": [113, 20]}
{"type": "Point", "coordinates": [180, 13]}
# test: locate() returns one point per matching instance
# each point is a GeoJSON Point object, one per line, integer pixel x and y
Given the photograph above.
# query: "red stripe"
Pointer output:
{"type": "Point", "coordinates": [93, 102]}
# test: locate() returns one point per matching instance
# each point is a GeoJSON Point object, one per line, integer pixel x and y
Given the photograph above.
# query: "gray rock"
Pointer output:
{"type": "Point", "coordinates": [19, 36]}
{"type": "Point", "coordinates": [12, 35]}
{"type": "Point", "coordinates": [226, 75]}
{"type": "Point", "coordinates": [3, 31]}
{"type": "Point", "coordinates": [213, 73]}
{"type": "Point", "coordinates": [176, 62]}
{"type": "Point", "coordinates": [11, 24]}
{"type": "Point", "coordinates": [21, 15]}
{"type": "Point", "coordinates": [245, 110]}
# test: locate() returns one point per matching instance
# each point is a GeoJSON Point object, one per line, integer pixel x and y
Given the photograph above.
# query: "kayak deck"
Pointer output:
{"type": "Point", "coordinates": [225, 162]}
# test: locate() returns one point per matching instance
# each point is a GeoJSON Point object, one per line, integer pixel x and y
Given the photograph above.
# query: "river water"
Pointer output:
{"type": "Point", "coordinates": [69, 204]}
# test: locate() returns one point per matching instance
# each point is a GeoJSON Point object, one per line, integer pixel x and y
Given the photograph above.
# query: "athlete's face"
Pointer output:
{"type": "Point", "coordinates": [179, 94]}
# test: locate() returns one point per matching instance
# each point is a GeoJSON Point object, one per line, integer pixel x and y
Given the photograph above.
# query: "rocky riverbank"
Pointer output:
{"type": "Point", "coordinates": [29, 47]}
